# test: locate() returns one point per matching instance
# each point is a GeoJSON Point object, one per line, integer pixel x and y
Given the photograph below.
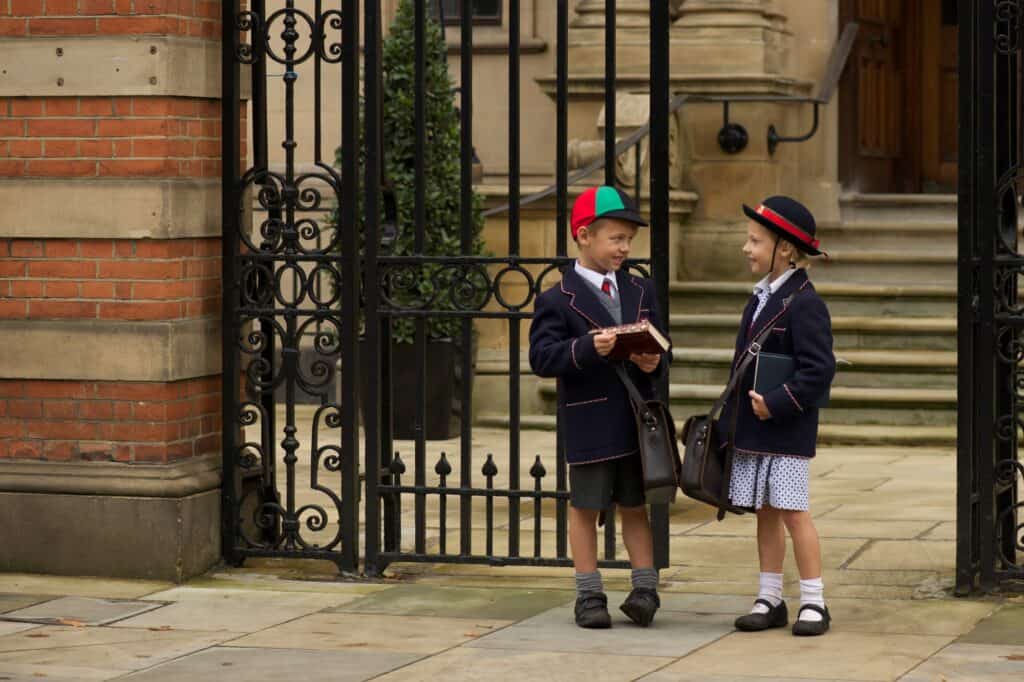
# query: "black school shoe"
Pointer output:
{"type": "Point", "coordinates": [777, 617]}
{"type": "Point", "coordinates": [641, 605]}
{"type": "Point", "coordinates": [592, 610]}
{"type": "Point", "coordinates": [812, 628]}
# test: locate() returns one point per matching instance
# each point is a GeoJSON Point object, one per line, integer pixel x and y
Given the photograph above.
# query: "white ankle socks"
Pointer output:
{"type": "Point", "coordinates": [770, 591]}
{"type": "Point", "coordinates": [812, 591]}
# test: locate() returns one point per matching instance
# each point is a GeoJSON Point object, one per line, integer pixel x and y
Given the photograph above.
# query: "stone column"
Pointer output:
{"type": "Point", "coordinates": [736, 47]}
{"type": "Point", "coordinates": [110, 426]}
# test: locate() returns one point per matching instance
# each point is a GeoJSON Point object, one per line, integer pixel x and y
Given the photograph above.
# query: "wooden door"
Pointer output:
{"type": "Point", "coordinates": [873, 99]}
{"type": "Point", "coordinates": [938, 68]}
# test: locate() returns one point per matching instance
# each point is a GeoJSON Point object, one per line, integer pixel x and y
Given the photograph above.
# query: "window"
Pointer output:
{"type": "Point", "coordinates": [484, 11]}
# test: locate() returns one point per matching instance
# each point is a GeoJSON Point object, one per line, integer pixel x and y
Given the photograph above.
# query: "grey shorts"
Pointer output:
{"type": "Point", "coordinates": [599, 485]}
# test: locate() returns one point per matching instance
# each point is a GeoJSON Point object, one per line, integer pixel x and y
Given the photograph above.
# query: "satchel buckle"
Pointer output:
{"type": "Point", "coordinates": [755, 348]}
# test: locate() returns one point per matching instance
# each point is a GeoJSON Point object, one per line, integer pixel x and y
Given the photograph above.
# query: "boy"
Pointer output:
{"type": "Point", "coordinates": [598, 424]}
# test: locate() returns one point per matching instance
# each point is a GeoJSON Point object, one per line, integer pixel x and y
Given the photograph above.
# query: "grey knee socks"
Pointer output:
{"type": "Point", "coordinates": [645, 579]}
{"type": "Point", "coordinates": [589, 582]}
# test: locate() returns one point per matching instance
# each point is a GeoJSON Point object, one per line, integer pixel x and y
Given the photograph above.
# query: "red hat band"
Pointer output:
{"type": "Point", "coordinates": [783, 224]}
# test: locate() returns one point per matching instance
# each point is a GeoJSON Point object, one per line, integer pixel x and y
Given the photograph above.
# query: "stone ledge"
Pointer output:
{"type": "Point", "coordinates": [102, 350]}
{"type": "Point", "coordinates": [180, 479]}
{"type": "Point", "coordinates": [100, 208]}
{"type": "Point", "coordinates": [111, 66]}
{"type": "Point", "coordinates": [155, 538]}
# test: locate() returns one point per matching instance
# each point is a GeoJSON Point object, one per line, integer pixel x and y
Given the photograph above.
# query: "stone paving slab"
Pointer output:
{"type": "Point", "coordinates": [13, 602]}
{"type": "Point", "coordinates": [273, 665]}
{"type": "Point", "coordinates": [101, 588]}
{"type": "Point", "coordinates": [840, 655]}
{"type": "Point", "coordinates": [910, 617]}
{"type": "Point", "coordinates": [81, 653]}
{"type": "Point", "coordinates": [486, 665]}
{"type": "Point", "coordinates": [742, 551]}
{"type": "Point", "coordinates": [372, 632]}
{"type": "Point", "coordinates": [971, 663]}
{"type": "Point", "coordinates": [247, 579]}
{"type": "Point", "coordinates": [454, 602]}
{"type": "Point", "coordinates": [228, 612]}
{"type": "Point", "coordinates": [672, 634]}
{"type": "Point", "coordinates": [81, 611]}
{"type": "Point", "coordinates": [1005, 626]}
{"type": "Point", "coordinates": [827, 529]}
{"type": "Point", "coordinates": [670, 675]}
{"type": "Point", "coordinates": [10, 627]}
{"type": "Point", "coordinates": [891, 508]}
{"type": "Point", "coordinates": [932, 555]}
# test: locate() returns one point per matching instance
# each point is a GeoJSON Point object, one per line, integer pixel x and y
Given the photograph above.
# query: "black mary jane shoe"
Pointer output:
{"type": "Point", "coordinates": [777, 617]}
{"type": "Point", "coordinates": [592, 610]}
{"type": "Point", "coordinates": [812, 628]}
{"type": "Point", "coordinates": [641, 605]}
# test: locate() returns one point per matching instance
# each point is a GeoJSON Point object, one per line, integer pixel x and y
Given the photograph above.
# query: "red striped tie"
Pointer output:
{"type": "Point", "coordinates": [606, 287]}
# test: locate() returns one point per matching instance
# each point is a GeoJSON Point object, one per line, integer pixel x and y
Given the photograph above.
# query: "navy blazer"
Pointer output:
{"type": "Point", "coordinates": [597, 420]}
{"type": "Point", "coordinates": [803, 329]}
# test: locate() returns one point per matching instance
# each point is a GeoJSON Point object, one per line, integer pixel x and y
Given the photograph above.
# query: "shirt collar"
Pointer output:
{"type": "Point", "coordinates": [774, 286]}
{"type": "Point", "coordinates": [594, 277]}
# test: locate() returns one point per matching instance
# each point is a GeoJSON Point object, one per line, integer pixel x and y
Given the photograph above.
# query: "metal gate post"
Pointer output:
{"type": "Point", "coordinates": [659, 170]}
{"type": "Point", "coordinates": [230, 203]}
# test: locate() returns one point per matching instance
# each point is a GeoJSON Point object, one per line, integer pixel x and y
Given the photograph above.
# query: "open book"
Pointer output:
{"type": "Point", "coordinates": [636, 337]}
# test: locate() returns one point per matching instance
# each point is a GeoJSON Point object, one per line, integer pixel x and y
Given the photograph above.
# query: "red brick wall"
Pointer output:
{"type": "Point", "coordinates": [109, 279]}
{"type": "Point", "coordinates": [109, 421]}
{"type": "Point", "coordinates": [195, 18]}
{"type": "Point", "coordinates": [110, 137]}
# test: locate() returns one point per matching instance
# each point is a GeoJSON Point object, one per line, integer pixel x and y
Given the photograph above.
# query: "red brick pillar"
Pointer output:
{"type": "Point", "coordinates": [110, 286]}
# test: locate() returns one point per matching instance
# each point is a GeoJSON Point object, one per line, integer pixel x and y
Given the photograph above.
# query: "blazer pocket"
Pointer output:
{"type": "Point", "coordinates": [779, 330]}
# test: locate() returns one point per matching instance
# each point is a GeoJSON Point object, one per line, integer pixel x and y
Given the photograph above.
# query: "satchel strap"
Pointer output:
{"type": "Point", "coordinates": [639, 404]}
{"type": "Point", "coordinates": [749, 355]}
{"type": "Point", "coordinates": [733, 387]}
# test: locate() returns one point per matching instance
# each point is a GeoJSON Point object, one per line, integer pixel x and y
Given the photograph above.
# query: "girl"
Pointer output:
{"type": "Point", "coordinates": [776, 432]}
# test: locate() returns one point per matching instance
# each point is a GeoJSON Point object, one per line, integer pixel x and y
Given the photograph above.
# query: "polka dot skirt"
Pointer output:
{"type": "Point", "coordinates": [780, 482]}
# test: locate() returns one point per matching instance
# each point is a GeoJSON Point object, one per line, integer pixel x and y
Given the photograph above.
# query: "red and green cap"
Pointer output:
{"type": "Point", "coordinates": [603, 202]}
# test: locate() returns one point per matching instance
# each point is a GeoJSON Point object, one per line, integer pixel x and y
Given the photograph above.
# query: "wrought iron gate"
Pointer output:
{"type": "Point", "coordinates": [990, 531]}
{"type": "Point", "coordinates": [299, 296]}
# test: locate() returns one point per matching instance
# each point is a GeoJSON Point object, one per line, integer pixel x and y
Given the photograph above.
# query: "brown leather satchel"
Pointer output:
{"type": "Point", "coordinates": [707, 463]}
{"type": "Point", "coordinates": [656, 433]}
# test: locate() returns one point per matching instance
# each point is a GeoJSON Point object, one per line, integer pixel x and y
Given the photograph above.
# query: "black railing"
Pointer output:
{"type": "Point", "coordinates": [292, 480]}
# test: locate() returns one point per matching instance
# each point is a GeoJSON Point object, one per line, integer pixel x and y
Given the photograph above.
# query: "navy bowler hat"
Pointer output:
{"type": "Point", "coordinates": [789, 219]}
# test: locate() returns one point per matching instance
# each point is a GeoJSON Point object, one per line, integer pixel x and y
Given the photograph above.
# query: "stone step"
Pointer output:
{"type": "Point", "coordinates": [828, 434]}
{"type": "Point", "coordinates": [848, 405]}
{"type": "Point", "coordinates": [857, 208]}
{"type": "Point", "coordinates": [882, 369]}
{"type": "Point", "coordinates": [882, 235]}
{"type": "Point", "coordinates": [908, 266]}
{"type": "Point", "coordinates": [845, 299]}
{"type": "Point", "coordinates": [849, 332]}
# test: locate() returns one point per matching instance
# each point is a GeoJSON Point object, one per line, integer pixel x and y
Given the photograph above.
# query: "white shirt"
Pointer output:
{"type": "Point", "coordinates": [764, 290]}
{"type": "Point", "coordinates": [597, 279]}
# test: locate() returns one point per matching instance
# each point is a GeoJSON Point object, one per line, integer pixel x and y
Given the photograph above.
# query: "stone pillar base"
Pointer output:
{"type": "Point", "coordinates": [125, 521]}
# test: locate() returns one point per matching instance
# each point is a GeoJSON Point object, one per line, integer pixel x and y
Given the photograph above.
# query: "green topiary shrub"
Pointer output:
{"type": "Point", "coordinates": [442, 231]}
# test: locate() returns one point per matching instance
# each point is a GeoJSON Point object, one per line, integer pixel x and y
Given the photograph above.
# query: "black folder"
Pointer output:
{"type": "Point", "coordinates": [772, 370]}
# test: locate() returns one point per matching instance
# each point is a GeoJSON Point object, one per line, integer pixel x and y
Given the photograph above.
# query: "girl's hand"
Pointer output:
{"type": "Point", "coordinates": [648, 362]}
{"type": "Point", "coordinates": [603, 343]}
{"type": "Point", "coordinates": [760, 408]}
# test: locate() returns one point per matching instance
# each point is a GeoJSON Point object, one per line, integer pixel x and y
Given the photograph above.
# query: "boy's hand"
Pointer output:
{"type": "Point", "coordinates": [603, 343]}
{"type": "Point", "coordinates": [760, 408]}
{"type": "Point", "coordinates": [648, 362]}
